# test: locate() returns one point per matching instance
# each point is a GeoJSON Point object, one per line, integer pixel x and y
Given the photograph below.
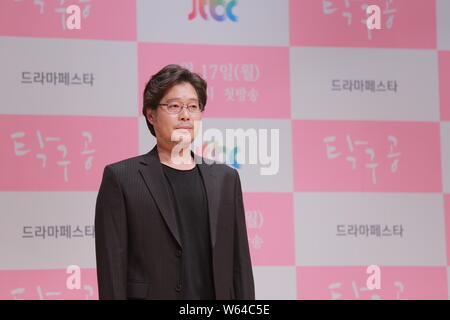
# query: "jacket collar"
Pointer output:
{"type": "Point", "coordinates": [152, 172]}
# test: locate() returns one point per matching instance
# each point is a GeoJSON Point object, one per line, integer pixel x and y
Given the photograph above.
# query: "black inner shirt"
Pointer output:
{"type": "Point", "coordinates": [190, 202]}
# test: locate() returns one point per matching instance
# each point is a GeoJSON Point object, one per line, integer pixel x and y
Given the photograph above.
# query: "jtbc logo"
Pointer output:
{"type": "Point", "coordinates": [199, 5]}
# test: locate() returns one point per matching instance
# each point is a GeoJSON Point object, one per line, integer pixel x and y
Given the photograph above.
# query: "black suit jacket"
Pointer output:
{"type": "Point", "coordinates": [137, 243]}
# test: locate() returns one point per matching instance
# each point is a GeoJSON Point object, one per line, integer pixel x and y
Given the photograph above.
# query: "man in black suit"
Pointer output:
{"type": "Point", "coordinates": [170, 224]}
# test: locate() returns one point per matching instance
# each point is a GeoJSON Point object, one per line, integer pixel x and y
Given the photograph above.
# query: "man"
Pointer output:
{"type": "Point", "coordinates": [170, 224]}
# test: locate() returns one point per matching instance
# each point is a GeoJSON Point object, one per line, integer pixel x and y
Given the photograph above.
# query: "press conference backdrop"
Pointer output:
{"type": "Point", "coordinates": [360, 120]}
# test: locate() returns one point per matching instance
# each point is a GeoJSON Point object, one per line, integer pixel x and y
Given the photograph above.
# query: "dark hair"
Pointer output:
{"type": "Point", "coordinates": [166, 78]}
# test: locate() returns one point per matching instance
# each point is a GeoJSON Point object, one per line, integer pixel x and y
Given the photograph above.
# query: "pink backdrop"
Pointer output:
{"type": "Point", "coordinates": [71, 103]}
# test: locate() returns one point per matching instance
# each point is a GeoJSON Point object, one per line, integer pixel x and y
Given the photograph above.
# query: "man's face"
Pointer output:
{"type": "Point", "coordinates": [170, 128]}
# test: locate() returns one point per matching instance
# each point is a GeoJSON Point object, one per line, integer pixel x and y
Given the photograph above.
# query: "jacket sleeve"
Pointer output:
{"type": "Point", "coordinates": [243, 283]}
{"type": "Point", "coordinates": [111, 239]}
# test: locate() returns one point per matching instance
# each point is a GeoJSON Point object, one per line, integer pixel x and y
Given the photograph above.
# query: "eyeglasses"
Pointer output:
{"type": "Point", "coordinates": [176, 107]}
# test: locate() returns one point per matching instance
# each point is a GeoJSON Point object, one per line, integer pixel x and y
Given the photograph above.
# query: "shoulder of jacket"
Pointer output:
{"type": "Point", "coordinates": [222, 168]}
{"type": "Point", "coordinates": [124, 164]}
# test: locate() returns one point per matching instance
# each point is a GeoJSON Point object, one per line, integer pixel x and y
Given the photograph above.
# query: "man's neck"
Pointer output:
{"type": "Point", "coordinates": [178, 157]}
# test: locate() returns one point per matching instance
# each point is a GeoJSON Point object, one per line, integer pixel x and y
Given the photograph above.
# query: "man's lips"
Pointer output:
{"type": "Point", "coordinates": [184, 127]}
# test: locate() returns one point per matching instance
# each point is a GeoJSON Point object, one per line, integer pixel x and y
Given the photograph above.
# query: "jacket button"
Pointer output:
{"type": "Point", "coordinates": [178, 287]}
{"type": "Point", "coordinates": [178, 253]}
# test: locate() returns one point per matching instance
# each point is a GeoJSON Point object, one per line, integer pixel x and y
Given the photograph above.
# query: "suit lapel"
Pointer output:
{"type": "Point", "coordinates": [211, 186]}
{"type": "Point", "coordinates": [152, 173]}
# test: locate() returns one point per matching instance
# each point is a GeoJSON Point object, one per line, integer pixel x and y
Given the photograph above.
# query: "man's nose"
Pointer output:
{"type": "Point", "coordinates": [184, 113]}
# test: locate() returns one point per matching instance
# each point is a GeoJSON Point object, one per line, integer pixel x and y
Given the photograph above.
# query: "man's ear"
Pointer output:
{"type": "Point", "coordinates": [151, 116]}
